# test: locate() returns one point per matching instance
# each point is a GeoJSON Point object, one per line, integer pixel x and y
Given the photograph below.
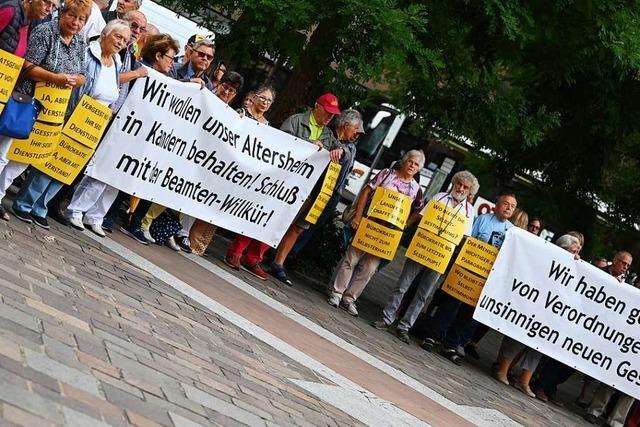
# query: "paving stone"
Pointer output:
{"type": "Point", "coordinates": [63, 373]}
{"type": "Point", "coordinates": [31, 402]}
{"type": "Point", "coordinates": [221, 406]}
{"type": "Point", "coordinates": [180, 421]}
{"type": "Point", "coordinates": [60, 315]}
{"type": "Point", "coordinates": [140, 421]}
{"type": "Point", "coordinates": [128, 401]}
{"type": "Point", "coordinates": [23, 418]}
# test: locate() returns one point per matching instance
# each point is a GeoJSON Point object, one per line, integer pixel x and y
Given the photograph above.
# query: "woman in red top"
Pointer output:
{"type": "Point", "coordinates": [15, 17]}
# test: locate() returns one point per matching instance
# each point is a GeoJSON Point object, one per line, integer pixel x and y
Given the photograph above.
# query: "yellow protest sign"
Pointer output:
{"type": "Point", "coordinates": [317, 208]}
{"type": "Point", "coordinates": [54, 101]}
{"type": "Point", "coordinates": [88, 121]}
{"type": "Point", "coordinates": [38, 147]}
{"type": "Point", "coordinates": [463, 285]}
{"type": "Point", "coordinates": [446, 222]}
{"type": "Point", "coordinates": [477, 256]}
{"type": "Point", "coordinates": [376, 239]}
{"type": "Point", "coordinates": [390, 206]}
{"type": "Point", "coordinates": [10, 66]}
{"type": "Point", "coordinates": [430, 250]}
{"type": "Point", "coordinates": [331, 178]}
{"type": "Point", "coordinates": [66, 161]}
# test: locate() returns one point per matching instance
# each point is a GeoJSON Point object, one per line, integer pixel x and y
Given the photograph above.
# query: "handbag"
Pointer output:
{"type": "Point", "coordinates": [19, 115]}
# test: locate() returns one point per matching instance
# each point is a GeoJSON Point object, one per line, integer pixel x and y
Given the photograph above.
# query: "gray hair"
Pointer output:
{"type": "Point", "coordinates": [138, 3]}
{"type": "Point", "coordinates": [469, 177]}
{"type": "Point", "coordinates": [204, 42]}
{"type": "Point", "coordinates": [567, 241]}
{"type": "Point", "coordinates": [129, 15]}
{"type": "Point", "coordinates": [349, 116]}
{"type": "Point", "coordinates": [621, 254]}
{"type": "Point", "coordinates": [115, 25]}
{"type": "Point", "coordinates": [414, 153]}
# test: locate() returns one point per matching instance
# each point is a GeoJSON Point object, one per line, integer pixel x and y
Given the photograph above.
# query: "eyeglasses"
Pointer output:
{"type": "Point", "coordinates": [50, 5]}
{"type": "Point", "coordinates": [228, 89]}
{"type": "Point", "coordinates": [534, 227]}
{"type": "Point", "coordinates": [135, 26]}
{"type": "Point", "coordinates": [168, 56]}
{"type": "Point", "coordinates": [206, 55]}
{"type": "Point", "coordinates": [264, 99]}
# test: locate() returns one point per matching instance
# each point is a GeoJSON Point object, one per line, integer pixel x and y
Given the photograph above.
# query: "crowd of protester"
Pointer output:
{"type": "Point", "coordinates": [102, 53]}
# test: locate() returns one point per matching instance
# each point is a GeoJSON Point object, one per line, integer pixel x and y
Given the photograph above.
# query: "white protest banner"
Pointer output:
{"type": "Point", "coordinates": [538, 294]}
{"type": "Point", "coordinates": [183, 148]}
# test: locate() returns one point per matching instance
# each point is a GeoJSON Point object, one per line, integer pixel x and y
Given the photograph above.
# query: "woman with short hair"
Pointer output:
{"type": "Point", "coordinates": [349, 281]}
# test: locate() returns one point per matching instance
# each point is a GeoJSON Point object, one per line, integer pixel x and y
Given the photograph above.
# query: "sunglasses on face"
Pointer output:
{"type": "Point", "coordinates": [204, 55]}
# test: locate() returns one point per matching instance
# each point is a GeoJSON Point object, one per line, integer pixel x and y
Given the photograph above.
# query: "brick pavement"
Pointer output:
{"type": "Point", "coordinates": [86, 338]}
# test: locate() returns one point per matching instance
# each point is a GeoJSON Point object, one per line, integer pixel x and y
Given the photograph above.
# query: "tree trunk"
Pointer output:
{"type": "Point", "coordinates": [304, 78]}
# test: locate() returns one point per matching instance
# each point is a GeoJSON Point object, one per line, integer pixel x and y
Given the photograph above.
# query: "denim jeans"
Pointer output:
{"type": "Point", "coordinates": [36, 192]}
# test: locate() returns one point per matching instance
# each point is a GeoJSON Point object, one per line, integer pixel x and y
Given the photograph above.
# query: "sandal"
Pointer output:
{"type": "Point", "coordinates": [4, 215]}
{"type": "Point", "coordinates": [452, 355]}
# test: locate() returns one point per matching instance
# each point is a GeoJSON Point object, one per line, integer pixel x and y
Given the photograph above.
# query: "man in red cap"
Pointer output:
{"type": "Point", "coordinates": [311, 126]}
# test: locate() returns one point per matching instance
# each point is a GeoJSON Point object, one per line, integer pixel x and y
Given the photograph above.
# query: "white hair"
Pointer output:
{"type": "Point", "coordinates": [414, 153]}
{"type": "Point", "coordinates": [115, 25]}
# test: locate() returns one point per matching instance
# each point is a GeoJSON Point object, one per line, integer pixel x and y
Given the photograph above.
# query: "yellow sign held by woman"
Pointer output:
{"type": "Point", "coordinates": [88, 122]}
{"type": "Point", "coordinates": [390, 206]}
{"type": "Point", "coordinates": [66, 161]}
{"type": "Point", "coordinates": [376, 239]}
{"type": "Point", "coordinates": [477, 256]}
{"type": "Point", "coordinates": [54, 101]}
{"type": "Point", "coordinates": [10, 66]}
{"type": "Point", "coordinates": [430, 250]}
{"type": "Point", "coordinates": [444, 221]}
{"type": "Point", "coordinates": [38, 147]}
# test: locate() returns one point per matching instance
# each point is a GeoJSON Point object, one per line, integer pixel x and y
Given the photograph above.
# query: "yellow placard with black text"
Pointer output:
{"type": "Point", "coordinates": [477, 256]}
{"type": "Point", "coordinates": [54, 101]}
{"type": "Point", "coordinates": [330, 178]}
{"type": "Point", "coordinates": [317, 208]}
{"type": "Point", "coordinates": [463, 285]}
{"type": "Point", "coordinates": [88, 121]}
{"type": "Point", "coordinates": [66, 161]}
{"type": "Point", "coordinates": [430, 250]}
{"type": "Point", "coordinates": [376, 239]}
{"type": "Point", "coordinates": [446, 222]}
{"type": "Point", "coordinates": [38, 147]}
{"type": "Point", "coordinates": [390, 206]}
{"type": "Point", "coordinates": [10, 66]}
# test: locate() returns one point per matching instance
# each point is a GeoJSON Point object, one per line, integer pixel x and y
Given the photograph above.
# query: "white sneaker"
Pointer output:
{"type": "Point", "coordinates": [97, 229]}
{"type": "Point", "coordinates": [147, 235]}
{"type": "Point", "coordinates": [171, 242]}
{"type": "Point", "coordinates": [334, 299]}
{"type": "Point", "coordinates": [350, 307]}
{"type": "Point", "coordinates": [76, 223]}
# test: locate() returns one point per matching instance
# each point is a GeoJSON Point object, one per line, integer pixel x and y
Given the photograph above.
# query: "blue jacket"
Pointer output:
{"type": "Point", "coordinates": [92, 71]}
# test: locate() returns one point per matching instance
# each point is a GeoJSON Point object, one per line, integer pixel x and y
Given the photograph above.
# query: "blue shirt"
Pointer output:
{"type": "Point", "coordinates": [490, 229]}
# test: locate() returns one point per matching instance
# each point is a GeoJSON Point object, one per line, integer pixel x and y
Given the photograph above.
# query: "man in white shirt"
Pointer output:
{"type": "Point", "coordinates": [94, 25]}
{"type": "Point", "coordinates": [463, 183]}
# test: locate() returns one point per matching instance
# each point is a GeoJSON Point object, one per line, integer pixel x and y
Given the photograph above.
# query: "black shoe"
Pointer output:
{"type": "Point", "coordinates": [40, 221]}
{"type": "Point", "coordinates": [381, 325]}
{"type": "Point", "coordinates": [452, 355]}
{"type": "Point", "coordinates": [22, 216]}
{"type": "Point", "coordinates": [592, 419]}
{"type": "Point", "coordinates": [57, 216]}
{"type": "Point", "coordinates": [428, 344]}
{"type": "Point", "coordinates": [184, 244]}
{"type": "Point", "coordinates": [470, 350]}
{"type": "Point", "coordinates": [403, 336]}
{"type": "Point", "coordinates": [136, 234]}
{"type": "Point", "coordinates": [280, 273]}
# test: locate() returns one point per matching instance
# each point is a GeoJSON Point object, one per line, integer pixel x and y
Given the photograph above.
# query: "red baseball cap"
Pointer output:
{"type": "Point", "coordinates": [329, 102]}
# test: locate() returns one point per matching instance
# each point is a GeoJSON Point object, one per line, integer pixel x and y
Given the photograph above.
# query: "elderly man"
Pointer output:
{"type": "Point", "coordinates": [453, 322]}
{"type": "Point", "coordinates": [311, 126]}
{"type": "Point", "coordinates": [199, 59]}
{"type": "Point", "coordinates": [122, 8]}
{"type": "Point", "coordinates": [619, 266]}
{"type": "Point", "coordinates": [348, 127]}
{"type": "Point", "coordinates": [463, 183]}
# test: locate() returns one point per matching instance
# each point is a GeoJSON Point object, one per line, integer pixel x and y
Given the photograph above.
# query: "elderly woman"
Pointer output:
{"type": "Point", "coordinates": [56, 54]}
{"type": "Point", "coordinates": [244, 251]}
{"type": "Point", "coordinates": [15, 20]}
{"type": "Point", "coordinates": [93, 197]}
{"type": "Point", "coordinates": [349, 281]}
{"type": "Point", "coordinates": [510, 347]}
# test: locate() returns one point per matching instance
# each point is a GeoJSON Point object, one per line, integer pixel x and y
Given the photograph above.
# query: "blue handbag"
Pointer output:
{"type": "Point", "coordinates": [19, 115]}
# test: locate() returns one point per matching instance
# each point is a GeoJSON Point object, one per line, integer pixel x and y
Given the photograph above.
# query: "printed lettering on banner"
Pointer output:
{"type": "Point", "coordinates": [430, 250]}
{"type": "Point", "coordinates": [38, 147]}
{"type": "Point", "coordinates": [541, 296]}
{"type": "Point", "coordinates": [66, 161]}
{"type": "Point", "coordinates": [390, 206]}
{"type": "Point", "coordinates": [187, 150]}
{"type": "Point", "coordinates": [326, 191]}
{"type": "Point", "coordinates": [317, 208]}
{"type": "Point", "coordinates": [446, 222]}
{"type": "Point", "coordinates": [463, 285]}
{"type": "Point", "coordinates": [10, 66]}
{"type": "Point", "coordinates": [88, 122]}
{"type": "Point", "coordinates": [376, 239]}
{"type": "Point", "coordinates": [54, 101]}
{"type": "Point", "coordinates": [477, 256]}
